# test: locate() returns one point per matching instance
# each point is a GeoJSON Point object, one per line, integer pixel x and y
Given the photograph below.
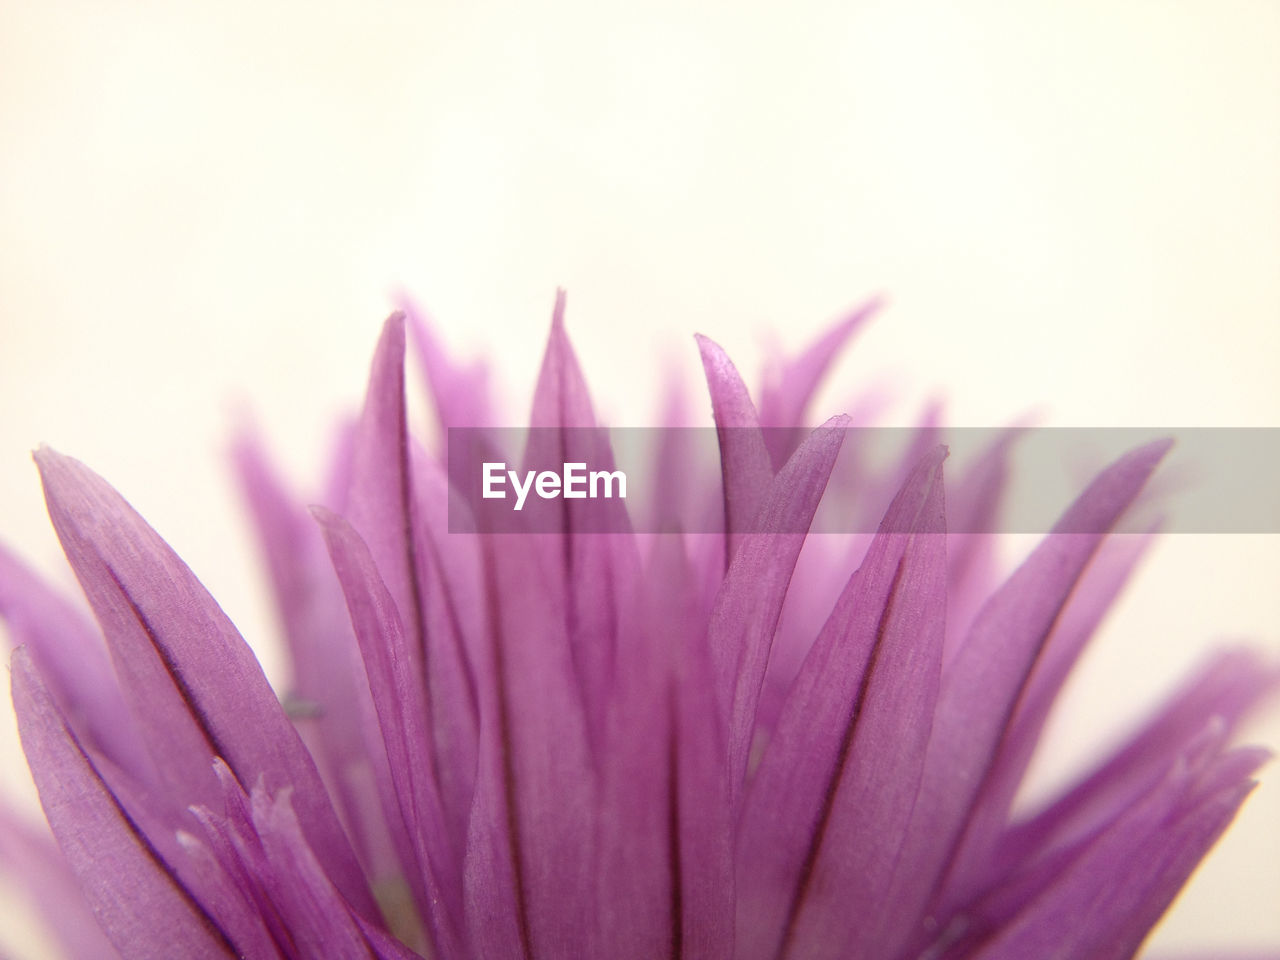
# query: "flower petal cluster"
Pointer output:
{"type": "Point", "coordinates": [744, 746]}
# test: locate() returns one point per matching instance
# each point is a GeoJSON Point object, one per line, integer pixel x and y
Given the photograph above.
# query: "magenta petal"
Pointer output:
{"type": "Point", "coordinates": [168, 832]}
{"type": "Point", "coordinates": [232, 840]}
{"type": "Point", "coordinates": [560, 398]}
{"type": "Point", "coordinates": [974, 505]}
{"type": "Point", "coordinates": [187, 675]}
{"type": "Point", "coordinates": [398, 504]}
{"type": "Point", "coordinates": [227, 900]}
{"type": "Point", "coordinates": [740, 633]}
{"type": "Point", "coordinates": [497, 917]}
{"type": "Point", "coordinates": [402, 715]}
{"type": "Point", "coordinates": [1093, 596]}
{"type": "Point", "coordinates": [835, 788]}
{"type": "Point", "coordinates": [321, 923]}
{"type": "Point", "coordinates": [461, 394]}
{"type": "Point", "coordinates": [593, 572]}
{"type": "Point", "coordinates": [29, 853]}
{"type": "Point", "coordinates": [530, 852]}
{"type": "Point", "coordinates": [703, 805]}
{"type": "Point", "coordinates": [380, 504]}
{"type": "Point", "coordinates": [744, 458]}
{"type": "Point", "coordinates": [327, 696]}
{"type": "Point", "coordinates": [1227, 688]}
{"type": "Point", "coordinates": [137, 899]}
{"type": "Point", "coordinates": [714, 744]}
{"type": "Point", "coordinates": [451, 589]}
{"type": "Point", "coordinates": [981, 687]}
{"type": "Point", "coordinates": [1100, 903]}
{"type": "Point", "coordinates": [687, 788]}
{"type": "Point", "coordinates": [70, 653]}
{"type": "Point", "coordinates": [784, 401]}
{"type": "Point", "coordinates": [259, 843]}
{"type": "Point", "coordinates": [639, 810]}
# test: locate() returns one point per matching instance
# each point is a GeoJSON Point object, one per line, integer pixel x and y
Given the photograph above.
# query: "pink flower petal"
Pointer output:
{"type": "Point", "coordinates": [744, 458]}
{"type": "Point", "coordinates": [747, 609]}
{"type": "Point", "coordinates": [980, 690]}
{"type": "Point", "coordinates": [190, 680]}
{"type": "Point", "coordinates": [139, 901]}
{"type": "Point", "coordinates": [399, 699]}
{"type": "Point", "coordinates": [836, 785]}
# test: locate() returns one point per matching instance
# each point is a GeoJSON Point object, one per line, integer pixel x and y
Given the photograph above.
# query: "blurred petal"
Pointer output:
{"type": "Point", "coordinates": [28, 851]}
{"type": "Point", "coordinates": [1227, 688]}
{"type": "Point", "coordinates": [790, 386]}
{"type": "Point", "coordinates": [1093, 597]}
{"type": "Point", "coordinates": [327, 698]}
{"type": "Point", "coordinates": [460, 393]}
{"type": "Point", "coordinates": [69, 651]}
{"type": "Point", "coordinates": [980, 690]}
{"type": "Point", "coordinates": [1102, 903]}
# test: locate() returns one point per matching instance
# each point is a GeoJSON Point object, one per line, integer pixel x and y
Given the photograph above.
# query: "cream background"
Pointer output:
{"type": "Point", "coordinates": [1073, 207]}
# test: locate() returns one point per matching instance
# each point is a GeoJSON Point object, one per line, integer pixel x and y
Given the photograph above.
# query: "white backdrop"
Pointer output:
{"type": "Point", "coordinates": [1073, 207]}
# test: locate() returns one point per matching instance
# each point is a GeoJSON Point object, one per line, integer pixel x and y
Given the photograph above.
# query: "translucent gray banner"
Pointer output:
{"type": "Point", "coordinates": [656, 480]}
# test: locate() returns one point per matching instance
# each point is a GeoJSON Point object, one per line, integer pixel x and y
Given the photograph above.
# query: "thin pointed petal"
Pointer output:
{"type": "Point", "coordinates": [70, 653]}
{"type": "Point", "coordinates": [29, 855]}
{"type": "Point", "coordinates": [744, 458]}
{"type": "Point", "coordinates": [560, 398]}
{"type": "Point", "coordinates": [530, 826]}
{"type": "Point", "coordinates": [1101, 903]}
{"type": "Point", "coordinates": [1231, 685]}
{"type": "Point", "coordinates": [750, 602]}
{"type": "Point", "coordinates": [380, 505]}
{"type": "Point", "coordinates": [836, 784]}
{"type": "Point", "coordinates": [980, 690]}
{"type": "Point", "coordinates": [321, 922]}
{"type": "Point", "coordinates": [1093, 597]}
{"type": "Point", "coordinates": [138, 900]}
{"type": "Point", "coordinates": [188, 676]}
{"type": "Point", "coordinates": [451, 591]}
{"type": "Point", "coordinates": [328, 698]}
{"type": "Point", "coordinates": [639, 839]}
{"type": "Point", "coordinates": [594, 573]}
{"type": "Point", "coordinates": [971, 550]}
{"type": "Point", "coordinates": [402, 715]}
{"type": "Point", "coordinates": [785, 399]}
{"type": "Point", "coordinates": [461, 394]}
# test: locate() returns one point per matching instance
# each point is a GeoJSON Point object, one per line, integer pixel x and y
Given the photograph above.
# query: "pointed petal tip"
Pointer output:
{"type": "Point", "coordinates": [1152, 452]}
{"type": "Point", "coordinates": [330, 522]}
{"type": "Point", "coordinates": [45, 454]}
{"type": "Point", "coordinates": [394, 326]}
{"type": "Point", "coordinates": [58, 468]}
{"type": "Point", "coordinates": [936, 456]}
{"type": "Point", "coordinates": [19, 660]}
{"type": "Point", "coordinates": [711, 354]}
{"type": "Point", "coordinates": [1140, 462]}
{"type": "Point", "coordinates": [708, 347]}
{"type": "Point", "coordinates": [557, 312]}
{"type": "Point", "coordinates": [863, 313]}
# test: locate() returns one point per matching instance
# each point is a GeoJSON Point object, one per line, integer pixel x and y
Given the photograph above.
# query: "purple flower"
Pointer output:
{"type": "Point", "coordinates": [748, 745]}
